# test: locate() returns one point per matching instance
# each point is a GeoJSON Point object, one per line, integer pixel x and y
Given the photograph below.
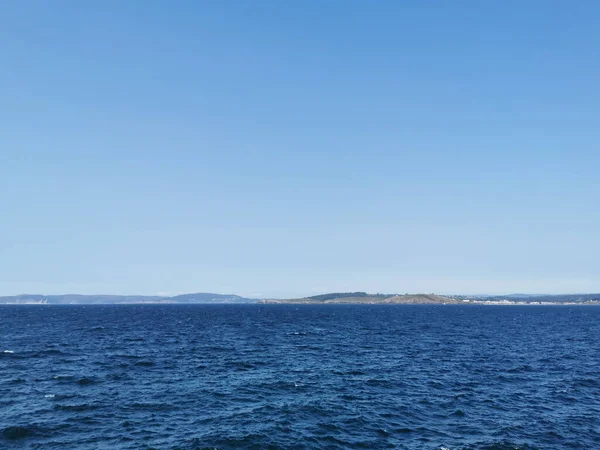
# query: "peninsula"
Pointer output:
{"type": "Point", "coordinates": [363, 297]}
{"type": "Point", "coordinates": [435, 299]}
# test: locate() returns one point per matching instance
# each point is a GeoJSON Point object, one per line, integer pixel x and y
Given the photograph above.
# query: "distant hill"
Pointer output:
{"type": "Point", "coordinates": [77, 299]}
{"type": "Point", "coordinates": [362, 297]}
{"type": "Point", "coordinates": [423, 299]}
{"type": "Point", "coordinates": [334, 295]}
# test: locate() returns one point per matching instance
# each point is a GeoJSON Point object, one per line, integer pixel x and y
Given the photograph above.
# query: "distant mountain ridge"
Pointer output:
{"type": "Point", "coordinates": [78, 299]}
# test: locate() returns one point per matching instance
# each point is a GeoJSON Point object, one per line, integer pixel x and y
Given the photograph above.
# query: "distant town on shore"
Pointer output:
{"type": "Point", "coordinates": [331, 298]}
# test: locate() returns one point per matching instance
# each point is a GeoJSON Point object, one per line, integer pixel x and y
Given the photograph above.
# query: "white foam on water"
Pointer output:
{"type": "Point", "coordinates": [7, 351]}
{"type": "Point", "coordinates": [49, 395]}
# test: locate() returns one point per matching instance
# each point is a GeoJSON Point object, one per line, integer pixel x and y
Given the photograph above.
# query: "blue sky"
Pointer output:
{"type": "Point", "coordinates": [272, 148]}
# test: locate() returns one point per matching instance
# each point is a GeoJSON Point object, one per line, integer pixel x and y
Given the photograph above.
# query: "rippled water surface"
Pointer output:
{"type": "Point", "coordinates": [299, 377]}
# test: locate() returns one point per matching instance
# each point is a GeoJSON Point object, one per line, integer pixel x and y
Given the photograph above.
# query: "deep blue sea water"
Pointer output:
{"type": "Point", "coordinates": [299, 377]}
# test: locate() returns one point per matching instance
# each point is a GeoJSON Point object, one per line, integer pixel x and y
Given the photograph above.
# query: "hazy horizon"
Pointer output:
{"type": "Point", "coordinates": [281, 149]}
{"type": "Point", "coordinates": [299, 295]}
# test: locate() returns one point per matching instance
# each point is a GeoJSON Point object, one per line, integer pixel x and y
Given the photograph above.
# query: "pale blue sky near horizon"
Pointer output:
{"type": "Point", "coordinates": [269, 148]}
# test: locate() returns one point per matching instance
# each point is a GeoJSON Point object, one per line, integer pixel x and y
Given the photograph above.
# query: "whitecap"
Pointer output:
{"type": "Point", "coordinates": [49, 395]}
{"type": "Point", "coordinates": [7, 351]}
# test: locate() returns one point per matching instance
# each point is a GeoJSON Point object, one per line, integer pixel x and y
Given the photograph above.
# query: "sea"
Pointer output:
{"type": "Point", "coordinates": [443, 377]}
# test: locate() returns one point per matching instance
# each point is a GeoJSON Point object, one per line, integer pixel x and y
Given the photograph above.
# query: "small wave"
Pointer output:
{"type": "Point", "coordinates": [35, 354]}
{"type": "Point", "coordinates": [57, 397]}
{"type": "Point", "coordinates": [349, 372]}
{"type": "Point", "coordinates": [62, 377]}
{"type": "Point", "coordinates": [126, 356]}
{"type": "Point", "coordinates": [242, 365]}
{"type": "Point", "coordinates": [521, 369]}
{"type": "Point", "coordinates": [308, 347]}
{"type": "Point", "coordinates": [154, 407]}
{"type": "Point", "coordinates": [76, 408]}
{"type": "Point", "coordinates": [249, 440]}
{"type": "Point", "coordinates": [508, 446]}
{"type": "Point", "coordinates": [85, 381]}
{"type": "Point", "coordinates": [10, 352]}
{"type": "Point", "coordinates": [281, 386]}
{"type": "Point", "coordinates": [144, 363]}
{"type": "Point", "coordinates": [15, 432]}
{"type": "Point", "coordinates": [377, 382]}
{"type": "Point", "coordinates": [134, 339]}
{"type": "Point", "coordinates": [502, 445]}
{"type": "Point", "coordinates": [587, 382]}
{"type": "Point", "coordinates": [52, 351]}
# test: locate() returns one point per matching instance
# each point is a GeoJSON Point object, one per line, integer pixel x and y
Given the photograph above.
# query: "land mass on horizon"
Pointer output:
{"type": "Point", "coordinates": [363, 297]}
{"type": "Point", "coordinates": [330, 298]}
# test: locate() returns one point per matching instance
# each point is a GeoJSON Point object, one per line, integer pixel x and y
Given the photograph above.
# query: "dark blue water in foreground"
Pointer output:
{"type": "Point", "coordinates": [286, 376]}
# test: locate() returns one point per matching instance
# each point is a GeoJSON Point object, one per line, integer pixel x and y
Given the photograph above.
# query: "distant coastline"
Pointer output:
{"type": "Point", "coordinates": [323, 299]}
{"type": "Point", "coordinates": [434, 299]}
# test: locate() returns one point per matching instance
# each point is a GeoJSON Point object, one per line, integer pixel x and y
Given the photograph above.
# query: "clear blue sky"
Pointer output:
{"type": "Point", "coordinates": [272, 148]}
